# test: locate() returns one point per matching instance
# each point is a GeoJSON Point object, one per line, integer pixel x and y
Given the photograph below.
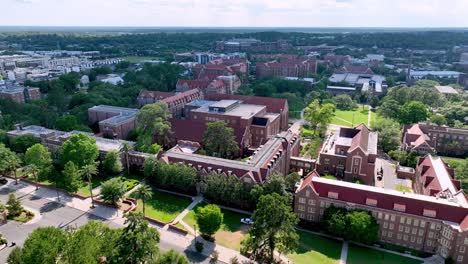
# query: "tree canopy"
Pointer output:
{"type": "Point", "coordinates": [220, 141]}
{"type": "Point", "coordinates": [209, 219]}
{"type": "Point", "coordinates": [152, 123]}
{"type": "Point", "coordinates": [80, 149]}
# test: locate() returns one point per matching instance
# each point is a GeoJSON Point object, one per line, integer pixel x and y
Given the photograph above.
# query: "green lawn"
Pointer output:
{"type": "Point", "coordinates": [345, 118]}
{"type": "Point", "coordinates": [131, 181]}
{"type": "Point", "coordinates": [95, 182]}
{"type": "Point", "coordinates": [453, 162]}
{"type": "Point", "coordinates": [232, 230]}
{"type": "Point", "coordinates": [402, 188]}
{"type": "Point", "coordinates": [360, 255]}
{"type": "Point", "coordinates": [316, 249]}
{"type": "Point", "coordinates": [136, 59]}
{"type": "Point", "coordinates": [164, 206]}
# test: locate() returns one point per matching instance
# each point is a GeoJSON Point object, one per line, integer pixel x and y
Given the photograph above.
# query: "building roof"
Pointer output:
{"type": "Point", "coordinates": [356, 69]}
{"type": "Point", "coordinates": [446, 89]}
{"type": "Point", "coordinates": [155, 94]}
{"type": "Point", "coordinates": [274, 105]}
{"type": "Point", "coordinates": [414, 204]}
{"type": "Point", "coordinates": [122, 114]}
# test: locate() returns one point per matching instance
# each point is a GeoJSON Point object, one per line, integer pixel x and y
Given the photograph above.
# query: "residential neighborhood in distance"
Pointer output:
{"type": "Point", "coordinates": [277, 133]}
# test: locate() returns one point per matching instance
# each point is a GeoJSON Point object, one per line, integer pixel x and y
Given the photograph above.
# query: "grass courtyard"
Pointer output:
{"type": "Point", "coordinates": [360, 255]}
{"type": "Point", "coordinates": [95, 182]}
{"type": "Point", "coordinates": [232, 231]}
{"type": "Point", "coordinates": [345, 118]}
{"type": "Point", "coordinates": [316, 249]}
{"type": "Point", "coordinates": [164, 206]}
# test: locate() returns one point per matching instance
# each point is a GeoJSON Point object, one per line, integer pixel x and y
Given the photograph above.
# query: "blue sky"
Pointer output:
{"type": "Point", "coordinates": [232, 13]}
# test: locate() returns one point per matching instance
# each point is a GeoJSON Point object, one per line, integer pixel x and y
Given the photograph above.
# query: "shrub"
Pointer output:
{"type": "Point", "coordinates": [112, 190]}
{"type": "Point", "coordinates": [14, 206]}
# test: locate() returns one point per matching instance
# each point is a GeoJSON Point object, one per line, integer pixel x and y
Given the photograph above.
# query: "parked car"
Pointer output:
{"type": "Point", "coordinates": [247, 221]}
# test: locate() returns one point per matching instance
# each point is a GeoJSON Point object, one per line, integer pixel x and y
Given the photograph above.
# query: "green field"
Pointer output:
{"type": "Point", "coordinates": [316, 249]}
{"type": "Point", "coordinates": [453, 162]}
{"type": "Point", "coordinates": [232, 230]}
{"type": "Point", "coordinates": [360, 255]}
{"type": "Point", "coordinates": [136, 59]}
{"type": "Point", "coordinates": [95, 182]}
{"type": "Point", "coordinates": [345, 118]}
{"type": "Point", "coordinates": [164, 206]}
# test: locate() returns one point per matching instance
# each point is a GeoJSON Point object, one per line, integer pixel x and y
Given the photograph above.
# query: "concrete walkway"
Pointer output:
{"type": "Point", "coordinates": [344, 253]}
{"type": "Point", "coordinates": [196, 200]}
{"type": "Point", "coordinates": [369, 117]}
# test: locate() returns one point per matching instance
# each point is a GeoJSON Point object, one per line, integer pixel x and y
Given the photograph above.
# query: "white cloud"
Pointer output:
{"type": "Point", "coordinates": [254, 13]}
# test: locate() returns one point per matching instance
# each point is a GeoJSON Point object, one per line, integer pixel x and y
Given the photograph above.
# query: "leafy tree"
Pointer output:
{"type": "Point", "coordinates": [389, 108]}
{"type": "Point", "coordinates": [152, 122]}
{"type": "Point", "coordinates": [405, 158]}
{"type": "Point", "coordinates": [112, 163]}
{"type": "Point", "coordinates": [319, 116]}
{"type": "Point", "coordinates": [138, 242]}
{"type": "Point", "coordinates": [438, 120]}
{"type": "Point", "coordinates": [89, 243]}
{"type": "Point", "coordinates": [67, 123]}
{"type": "Point", "coordinates": [172, 257]}
{"type": "Point", "coordinates": [413, 112]}
{"type": "Point", "coordinates": [39, 159]}
{"type": "Point", "coordinates": [334, 221]}
{"type": "Point", "coordinates": [273, 229]}
{"type": "Point", "coordinates": [155, 148]}
{"type": "Point", "coordinates": [112, 190]}
{"type": "Point", "coordinates": [171, 176]}
{"type": "Point", "coordinates": [344, 102]}
{"type": "Point", "coordinates": [220, 141]}
{"type": "Point", "coordinates": [72, 179]}
{"type": "Point", "coordinates": [14, 206]}
{"type": "Point", "coordinates": [89, 171]}
{"type": "Point", "coordinates": [125, 149]}
{"type": "Point", "coordinates": [264, 89]}
{"type": "Point", "coordinates": [144, 193]}
{"type": "Point", "coordinates": [22, 142]}
{"type": "Point", "coordinates": [43, 245]}
{"type": "Point", "coordinates": [80, 149]}
{"type": "Point", "coordinates": [9, 161]}
{"type": "Point", "coordinates": [362, 227]}
{"type": "Point", "coordinates": [275, 184]}
{"type": "Point", "coordinates": [291, 180]}
{"type": "Point", "coordinates": [209, 219]}
{"type": "Point", "coordinates": [230, 191]}
{"type": "Point", "coordinates": [389, 133]}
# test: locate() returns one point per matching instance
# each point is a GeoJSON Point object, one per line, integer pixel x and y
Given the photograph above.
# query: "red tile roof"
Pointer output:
{"type": "Point", "coordinates": [192, 84]}
{"type": "Point", "coordinates": [155, 94]}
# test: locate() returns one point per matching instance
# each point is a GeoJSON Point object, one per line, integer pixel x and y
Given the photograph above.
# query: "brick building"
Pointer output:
{"type": "Point", "coordinates": [286, 68]}
{"type": "Point", "coordinates": [426, 138]}
{"type": "Point", "coordinates": [249, 44]}
{"type": "Point", "coordinates": [426, 223]}
{"type": "Point", "coordinates": [20, 94]}
{"type": "Point", "coordinates": [175, 101]}
{"type": "Point", "coordinates": [435, 178]}
{"type": "Point", "coordinates": [113, 121]}
{"type": "Point", "coordinates": [349, 154]}
{"type": "Point", "coordinates": [227, 84]}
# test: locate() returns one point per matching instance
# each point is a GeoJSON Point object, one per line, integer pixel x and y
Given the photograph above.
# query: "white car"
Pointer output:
{"type": "Point", "coordinates": [247, 221]}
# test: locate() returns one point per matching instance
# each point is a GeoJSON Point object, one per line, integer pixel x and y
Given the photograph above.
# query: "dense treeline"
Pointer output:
{"type": "Point", "coordinates": [164, 43]}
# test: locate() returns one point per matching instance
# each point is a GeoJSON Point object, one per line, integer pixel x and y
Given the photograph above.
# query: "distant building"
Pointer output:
{"type": "Point", "coordinates": [446, 90]}
{"type": "Point", "coordinates": [112, 79]}
{"type": "Point", "coordinates": [349, 83]}
{"type": "Point", "coordinates": [20, 94]}
{"type": "Point", "coordinates": [439, 74]}
{"type": "Point", "coordinates": [250, 44]}
{"type": "Point", "coordinates": [349, 154]}
{"type": "Point", "coordinates": [337, 60]}
{"type": "Point", "coordinates": [432, 139]}
{"type": "Point", "coordinates": [463, 80]}
{"type": "Point", "coordinates": [113, 121]}
{"type": "Point", "coordinates": [302, 68]}
{"type": "Point", "coordinates": [175, 101]}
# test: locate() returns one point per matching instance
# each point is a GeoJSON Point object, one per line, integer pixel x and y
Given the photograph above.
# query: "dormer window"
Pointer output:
{"type": "Point", "coordinates": [399, 207]}
{"type": "Point", "coordinates": [429, 213]}
{"type": "Point", "coordinates": [333, 195]}
{"type": "Point", "coordinates": [371, 202]}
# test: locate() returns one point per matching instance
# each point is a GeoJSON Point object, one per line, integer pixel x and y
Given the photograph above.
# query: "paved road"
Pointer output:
{"type": "Point", "coordinates": [50, 213]}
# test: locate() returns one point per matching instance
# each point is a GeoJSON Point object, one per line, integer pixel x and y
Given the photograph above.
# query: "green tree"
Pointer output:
{"type": "Point", "coordinates": [9, 161]}
{"type": "Point", "coordinates": [275, 184]}
{"type": "Point", "coordinates": [14, 206]}
{"type": "Point", "coordinates": [264, 89]}
{"type": "Point", "coordinates": [112, 190]}
{"type": "Point", "coordinates": [273, 229]}
{"type": "Point", "coordinates": [413, 112]}
{"type": "Point", "coordinates": [389, 108]}
{"type": "Point", "coordinates": [152, 123]}
{"type": "Point", "coordinates": [155, 149]}
{"type": "Point", "coordinates": [334, 221]}
{"type": "Point", "coordinates": [89, 243]}
{"type": "Point", "coordinates": [44, 245]}
{"type": "Point", "coordinates": [80, 149]}
{"type": "Point", "coordinates": [438, 120]}
{"type": "Point", "coordinates": [361, 227]}
{"type": "Point", "coordinates": [138, 242]}
{"type": "Point", "coordinates": [220, 141]}
{"type": "Point", "coordinates": [21, 143]}
{"type": "Point", "coordinates": [319, 116]}
{"type": "Point", "coordinates": [344, 102]}
{"type": "Point", "coordinates": [39, 159]}
{"type": "Point", "coordinates": [291, 180]}
{"type": "Point", "coordinates": [67, 123]}
{"type": "Point", "coordinates": [72, 179]}
{"type": "Point", "coordinates": [389, 133]}
{"type": "Point", "coordinates": [126, 148]}
{"type": "Point", "coordinates": [112, 163]}
{"type": "Point", "coordinates": [144, 193]}
{"type": "Point", "coordinates": [172, 257]}
{"type": "Point", "coordinates": [209, 219]}
{"type": "Point", "coordinates": [89, 171]}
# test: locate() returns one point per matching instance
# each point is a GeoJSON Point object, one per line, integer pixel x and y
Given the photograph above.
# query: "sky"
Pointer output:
{"type": "Point", "coordinates": [235, 13]}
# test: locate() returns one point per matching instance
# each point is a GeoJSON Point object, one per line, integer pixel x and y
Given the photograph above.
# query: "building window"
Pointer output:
{"type": "Point", "coordinates": [400, 228]}
{"type": "Point", "coordinates": [302, 200]}
{"type": "Point", "coordinates": [405, 237]}
{"type": "Point", "coordinates": [431, 234]}
{"type": "Point", "coordinates": [312, 202]}
{"type": "Point", "coordinates": [371, 202]}
{"type": "Point", "coordinates": [414, 231]}
{"type": "Point", "coordinates": [391, 226]}
{"type": "Point", "coordinates": [419, 241]}
{"type": "Point", "coordinates": [385, 225]}
{"type": "Point", "coordinates": [466, 241]}
{"type": "Point", "coordinates": [460, 258]}
{"type": "Point", "coordinates": [307, 193]}
{"type": "Point", "coordinates": [423, 224]}
{"type": "Point", "coordinates": [429, 213]}
{"type": "Point", "coordinates": [416, 222]}
{"type": "Point", "coordinates": [462, 249]}
{"type": "Point", "coordinates": [399, 207]}
{"type": "Point", "coordinates": [399, 236]}
{"type": "Point", "coordinates": [421, 232]}
{"type": "Point", "coordinates": [392, 218]}
{"type": "Point", "coordinates": [429, 243]}
{"type": "Point", "coordinates": [390, 234]}
{"type": "Point", "coordinates": [333, 195]}
{"type": "Point", "coordinates": [311, 210]}
{"type": "Point", "coordinates": [301, 208]}
{"type": "Point", "coordinates": [402, 220]}
{"type": "Point", "coordinates": [355, 170]}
